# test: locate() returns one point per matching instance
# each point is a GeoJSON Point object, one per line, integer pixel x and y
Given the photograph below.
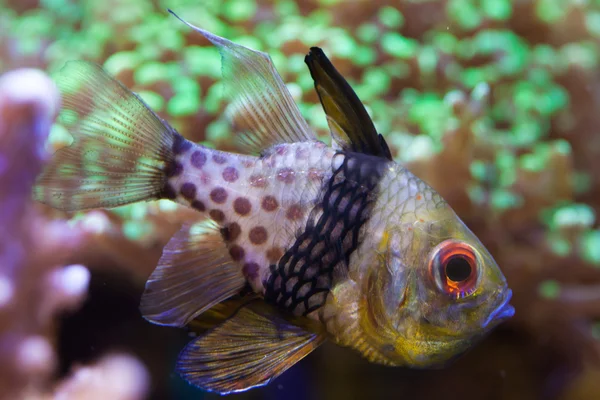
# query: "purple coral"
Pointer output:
{"type": "Point", "coordinates": [34, 287]}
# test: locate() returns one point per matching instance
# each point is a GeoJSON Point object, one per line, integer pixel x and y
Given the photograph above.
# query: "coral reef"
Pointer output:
{"type": "Point", "coordinates": [35, 287]}
{"type": "Point", "coordinates": [493, 102]}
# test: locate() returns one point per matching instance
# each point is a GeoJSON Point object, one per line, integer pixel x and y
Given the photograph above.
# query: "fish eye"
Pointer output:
{"type": "Point", "coordinates": [458, 268]}
{"type": "Point", "coordinates": [454, 268]}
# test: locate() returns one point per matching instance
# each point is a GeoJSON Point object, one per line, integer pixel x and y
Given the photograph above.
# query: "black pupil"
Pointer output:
{"type": "Point", "coordinates": [458, 269]}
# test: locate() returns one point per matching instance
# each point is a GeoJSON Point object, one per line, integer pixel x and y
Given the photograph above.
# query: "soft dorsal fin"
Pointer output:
{"type": "Point", "coordinates": [194, 273]}
{"type": "Point", "coordinates": [261, 108]}
{"type": "Point", "coordinates": [348, 119]}
{"type": "Point", "coordinates": [249, 349]}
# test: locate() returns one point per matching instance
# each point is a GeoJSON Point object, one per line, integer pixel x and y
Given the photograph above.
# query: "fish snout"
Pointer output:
{"type": "Point", "coordinates": [502, 312]}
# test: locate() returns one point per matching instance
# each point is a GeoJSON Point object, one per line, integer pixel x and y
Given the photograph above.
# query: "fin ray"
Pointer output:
{"type": "Point", "coordinates": [120, 147]}
{"type": "Point", "coordinates": [248, 350]}
{"type": "Point", "coordinates": [262, 109]}
{"type": "Point", "coordinates": [194, 273]}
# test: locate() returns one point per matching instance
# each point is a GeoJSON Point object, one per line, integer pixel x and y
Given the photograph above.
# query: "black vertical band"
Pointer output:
{"type": "Point", "coordinates": [304, 275]}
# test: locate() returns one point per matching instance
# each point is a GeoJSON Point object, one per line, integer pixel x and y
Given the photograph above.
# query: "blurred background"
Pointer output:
{"type": "Point", "coordinates": [495, 103]}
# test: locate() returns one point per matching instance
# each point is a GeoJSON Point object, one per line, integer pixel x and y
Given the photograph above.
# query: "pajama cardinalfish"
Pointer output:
{"type": "Point", "coordinates": [302, 242]}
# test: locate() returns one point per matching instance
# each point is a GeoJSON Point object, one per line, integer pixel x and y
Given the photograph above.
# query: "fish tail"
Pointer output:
{"type": "Point", "coordinates": [122, 152]}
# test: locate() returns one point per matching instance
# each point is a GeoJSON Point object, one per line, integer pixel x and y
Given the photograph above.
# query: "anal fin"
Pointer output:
{"type": "Point", "coordinates": [249, 349]}
{"type": "Point", "coordinates": [194, 273]}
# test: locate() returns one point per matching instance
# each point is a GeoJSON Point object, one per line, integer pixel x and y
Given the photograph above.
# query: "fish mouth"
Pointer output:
{"type": "Point", "coordinates": [503, 312]}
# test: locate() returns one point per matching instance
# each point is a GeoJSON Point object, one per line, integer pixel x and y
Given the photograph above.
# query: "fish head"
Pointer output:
{"type": "Point", "coordinates": [436, 290]}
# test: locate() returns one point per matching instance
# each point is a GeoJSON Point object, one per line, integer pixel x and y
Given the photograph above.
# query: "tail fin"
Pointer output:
{"type": "Point", "coordinates": [121, 151]}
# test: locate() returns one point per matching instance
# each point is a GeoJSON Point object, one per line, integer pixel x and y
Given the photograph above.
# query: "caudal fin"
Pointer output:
{"type": "Point", "coordinates": [122, 150]}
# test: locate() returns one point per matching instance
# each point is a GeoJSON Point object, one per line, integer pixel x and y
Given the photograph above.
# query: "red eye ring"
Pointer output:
{"type": "Point", "coordinates": [454, 268]}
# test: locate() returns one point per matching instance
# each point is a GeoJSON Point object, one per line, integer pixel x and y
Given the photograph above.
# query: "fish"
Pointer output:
{"type": "Point", "coordinates": [301, 242]}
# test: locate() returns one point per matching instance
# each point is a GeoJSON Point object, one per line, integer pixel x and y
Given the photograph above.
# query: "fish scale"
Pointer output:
{"type": "Point", "coordinates": [300, 244]}
{"type": "Point", "coordinates": [332, 229]}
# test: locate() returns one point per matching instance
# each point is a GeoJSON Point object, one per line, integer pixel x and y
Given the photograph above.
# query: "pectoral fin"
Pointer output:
{"type": "Point", "coordinates": [250, 349]}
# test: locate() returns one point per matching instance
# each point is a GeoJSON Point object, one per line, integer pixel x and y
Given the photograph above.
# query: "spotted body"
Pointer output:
{"type": "Point", "coordinates": [301, 242]}
{"type": "Point", "coordinates": [260, 203]}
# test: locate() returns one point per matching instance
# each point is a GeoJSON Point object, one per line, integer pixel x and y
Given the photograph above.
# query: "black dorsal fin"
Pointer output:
{"type": "Point", "coordinates": [345, 112]}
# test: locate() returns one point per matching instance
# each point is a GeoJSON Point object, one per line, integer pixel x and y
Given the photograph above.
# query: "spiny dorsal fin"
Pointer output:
{"type": "Point", "coordinates": [261, 108]}
{"type": "Point", "coordinates": [348, 119]}
{"type": "Point", "coordinates": [194, 273]}
{"type": "Point", "coordinates": [250, 349]}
